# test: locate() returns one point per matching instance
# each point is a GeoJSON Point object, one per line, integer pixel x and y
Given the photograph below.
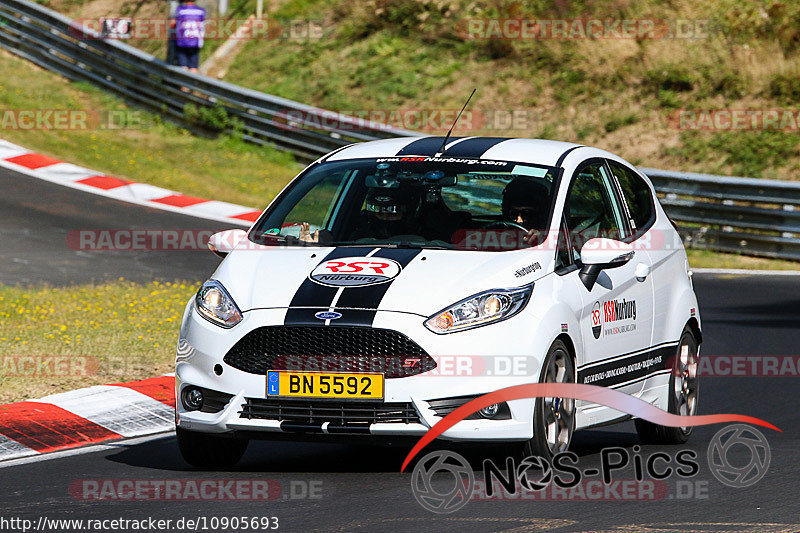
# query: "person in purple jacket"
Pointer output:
{"type": "Point", "coordinates": [189, 33]}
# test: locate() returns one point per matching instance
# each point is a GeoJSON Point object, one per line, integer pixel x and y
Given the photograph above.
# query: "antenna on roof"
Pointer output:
{"type": "Point", "coordinates": [447, 137]}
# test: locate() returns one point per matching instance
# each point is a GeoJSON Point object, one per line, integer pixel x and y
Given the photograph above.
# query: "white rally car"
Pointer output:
{"type": "Point", "coordinates": [393, 281]}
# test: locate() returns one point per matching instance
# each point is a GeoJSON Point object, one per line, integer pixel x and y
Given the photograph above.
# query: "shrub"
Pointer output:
{"type": "Point", "coordinates": [670, 78]}
{"type": "Point", "coordinates": [620, 120]}
{"type": "Point", "coordinates": [785, 88]}
{"type": "Point", "coordinates": [214, 118]}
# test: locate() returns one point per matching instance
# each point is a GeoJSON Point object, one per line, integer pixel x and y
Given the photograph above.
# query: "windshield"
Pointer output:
{"type": "Point", "coordinates": [424, 202]}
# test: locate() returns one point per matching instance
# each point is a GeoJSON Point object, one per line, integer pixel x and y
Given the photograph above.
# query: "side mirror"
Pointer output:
{"type": "Point", "coordinates": [602, 254]}
{"type": "Point", "coordinates": [225, 242]}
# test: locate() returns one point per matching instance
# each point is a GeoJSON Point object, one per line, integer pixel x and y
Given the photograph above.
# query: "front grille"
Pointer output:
{"type": "Point", "coordinates": [329, 348]}
{"type": "Point", "coordinates": [350, 414]}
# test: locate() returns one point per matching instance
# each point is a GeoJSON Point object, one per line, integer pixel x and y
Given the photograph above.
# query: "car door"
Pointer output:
{"type": "Point", "coordinates": [668, 264]}
{"type": "Point", "coordinates": [617, 315]}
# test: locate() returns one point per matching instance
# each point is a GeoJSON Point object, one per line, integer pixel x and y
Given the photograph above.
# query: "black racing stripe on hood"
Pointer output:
{"type": "Point", "coordinates": [370, 297]}
{"type": "Point", "coordinates": [427, 146]}
{"type": "Point", "coordinates": [350, 317]}
{"type": "Point", "coordinates": [311, 294]}
{"type": "Point", "coordinates": [311, 297]}
{"type": "Point", "coordinates": [474, 148]}
{"type": "Point", "coordinates": [354, 317]}
{"type": "Point", "coordinates": [304, 316]}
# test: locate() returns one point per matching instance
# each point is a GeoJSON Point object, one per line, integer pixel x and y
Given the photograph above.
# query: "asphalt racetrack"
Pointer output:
{"type": "Point", "coordinates": [360, 488]}
{"type": "Point", "coordinates": [36, 217]}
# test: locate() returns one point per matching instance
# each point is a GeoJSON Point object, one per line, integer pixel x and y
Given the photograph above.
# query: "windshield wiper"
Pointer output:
{"type": "Point", "coordinates": [392, 245]}
{"type": "Point", "coordinates": [408, 245]}
{"type": "Point", "coordinates": [414, 246]}
{"type": "Point", "coordinates": [356, 245]}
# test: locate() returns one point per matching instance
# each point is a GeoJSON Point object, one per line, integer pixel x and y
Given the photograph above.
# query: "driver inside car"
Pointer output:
{"type": "Point", "coordinates": [526, 205]}
{"type": "Point", "coordinates": [386, 214]}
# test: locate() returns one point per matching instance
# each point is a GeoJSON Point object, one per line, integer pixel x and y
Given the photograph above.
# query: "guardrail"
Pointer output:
{"type": "Point", "coordinates": [744, 215]}
{"type": "Point", "coordinates": [57, 43]}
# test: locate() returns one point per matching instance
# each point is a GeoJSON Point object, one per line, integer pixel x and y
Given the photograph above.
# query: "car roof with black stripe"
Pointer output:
{"type": "Point", "coordinates": [537, 151]}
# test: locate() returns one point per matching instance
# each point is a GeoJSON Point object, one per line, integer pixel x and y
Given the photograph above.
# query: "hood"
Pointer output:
{"type": "Point", "coordinates": [406, 280]}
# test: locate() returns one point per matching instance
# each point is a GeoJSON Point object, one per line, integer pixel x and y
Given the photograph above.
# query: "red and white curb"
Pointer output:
{"type": "Point", "coordinates": [87, 416]}
{"type": "Point", "coordinates": [40, 166]}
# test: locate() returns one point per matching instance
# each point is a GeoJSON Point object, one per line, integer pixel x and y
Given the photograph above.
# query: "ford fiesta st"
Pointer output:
{"type": "Point", "coordinates": [393, 281]}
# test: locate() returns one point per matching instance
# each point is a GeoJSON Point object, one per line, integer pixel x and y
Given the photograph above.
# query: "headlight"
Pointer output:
{"type": "Point", "coordinates": [484, 308]}
{"type": "Point", "coordinates": [215, 305]}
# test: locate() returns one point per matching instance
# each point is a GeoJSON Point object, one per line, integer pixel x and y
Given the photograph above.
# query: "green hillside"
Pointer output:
{"type": "Point", "coordinates": [625, 93]}
{"type": "Point", "coordinates": [621, 94]}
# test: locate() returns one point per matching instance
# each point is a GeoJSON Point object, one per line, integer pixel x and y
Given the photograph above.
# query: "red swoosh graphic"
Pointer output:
{"type": "Point", "coordinates": [592, 393]}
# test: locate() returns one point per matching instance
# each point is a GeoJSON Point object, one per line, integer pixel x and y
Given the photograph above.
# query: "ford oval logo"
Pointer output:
{"type": "Point", "coordinates": [328, 315]}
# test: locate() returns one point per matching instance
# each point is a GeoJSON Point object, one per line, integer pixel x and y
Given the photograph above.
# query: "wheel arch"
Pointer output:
{"type": "Point", "coordinates": [567, 340]}
{"type": "Point", "coordinates": [694, 325]}
{"type": "Point", "coordinates": [683, 310]}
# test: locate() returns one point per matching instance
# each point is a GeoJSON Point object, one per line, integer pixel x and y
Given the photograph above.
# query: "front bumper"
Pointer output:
{"type": "Point", "coordinates": [470, 363]}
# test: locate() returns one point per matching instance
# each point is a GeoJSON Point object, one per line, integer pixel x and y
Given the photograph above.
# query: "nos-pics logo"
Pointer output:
{"type": "Point", "coordinates": [443, 481]}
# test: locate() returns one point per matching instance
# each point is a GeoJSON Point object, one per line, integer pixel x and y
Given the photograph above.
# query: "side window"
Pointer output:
{"type": "Point", "coordinates": [591, 209]}
{"type": "Point", "coordinates": [637, 195]}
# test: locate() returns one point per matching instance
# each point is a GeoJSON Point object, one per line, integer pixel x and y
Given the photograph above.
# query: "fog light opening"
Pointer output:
{"type": "Point", "coordinates": [192, 399]}
{"type": "Point", "coordinates": [490, 411]}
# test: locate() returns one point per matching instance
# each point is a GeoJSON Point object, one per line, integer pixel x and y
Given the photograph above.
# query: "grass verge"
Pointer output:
{"type": "Point", "coordinates": [59, 339]}
{"type": "Point", "coordinates": [709, 259]}
{"type": "Point", "coordinates": [143, 148]}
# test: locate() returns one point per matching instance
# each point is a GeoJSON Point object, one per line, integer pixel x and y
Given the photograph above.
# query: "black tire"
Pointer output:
{"type": "Point", "coordinates": [651, 433]}
{"type": "Point", "coordinates": [205, 450]}
{"type": "Point", "coordinates": [547, 408]}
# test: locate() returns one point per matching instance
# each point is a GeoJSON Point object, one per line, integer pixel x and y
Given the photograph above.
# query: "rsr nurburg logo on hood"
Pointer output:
{"type": "Point", "coordinates": [355, 271]}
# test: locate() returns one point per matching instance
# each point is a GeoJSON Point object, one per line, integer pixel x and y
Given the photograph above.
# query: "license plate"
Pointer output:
{"type": "Point", "coordinates": [325, 385]}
